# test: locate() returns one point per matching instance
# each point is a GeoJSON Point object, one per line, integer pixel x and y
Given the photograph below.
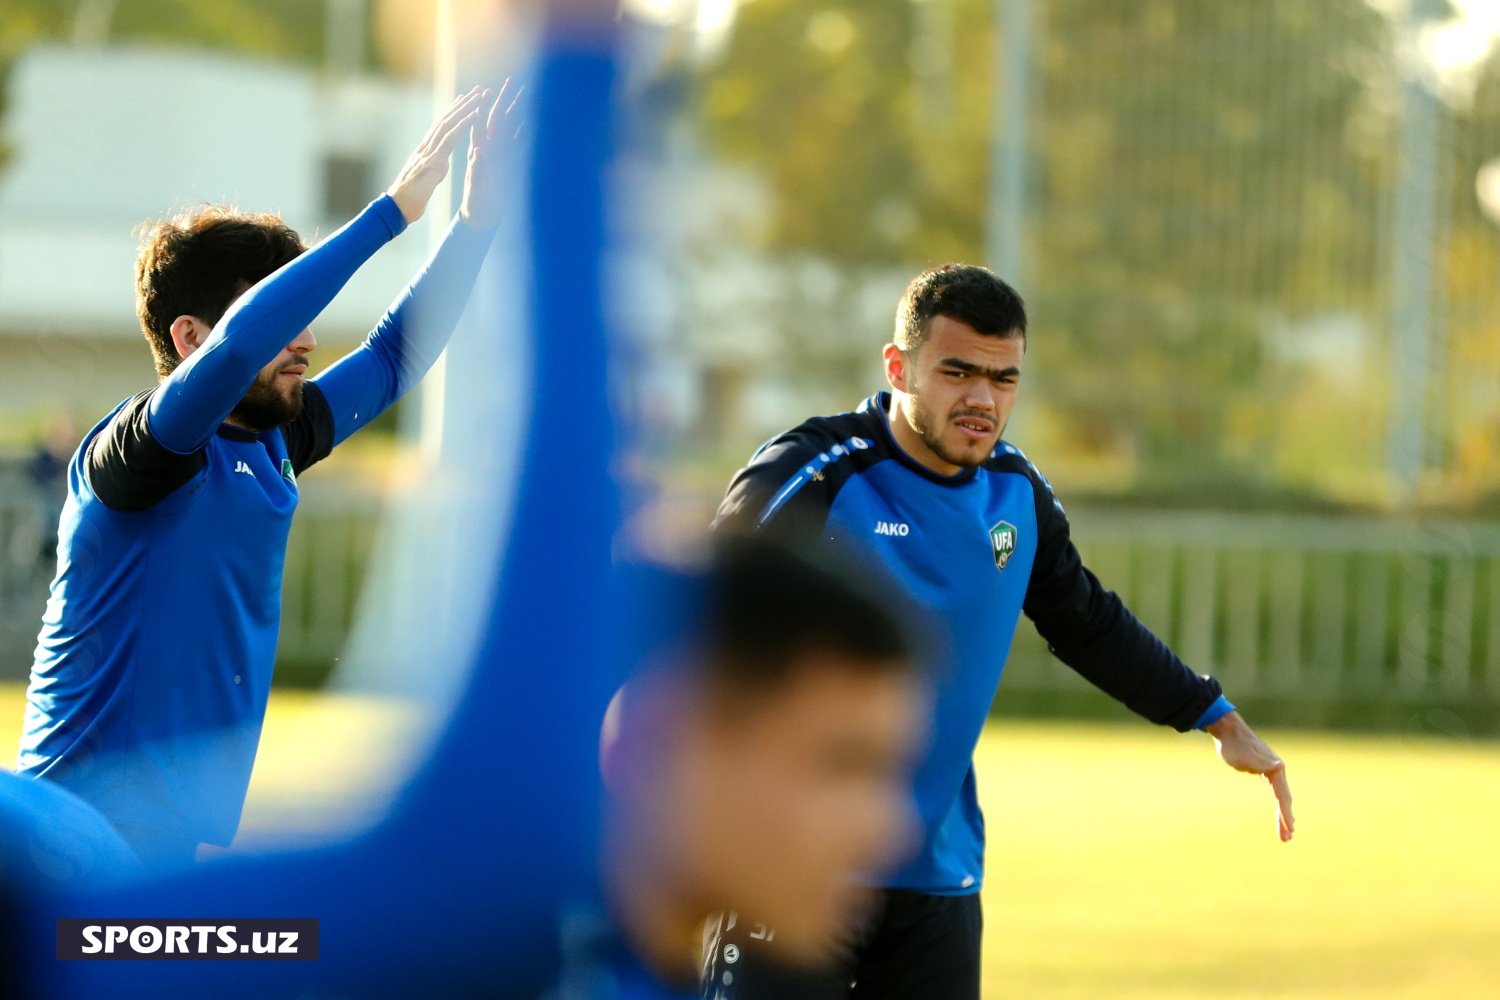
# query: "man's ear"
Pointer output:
{"type": "Point", "coordinates": [895, 367]}
{"type": "Point", "coordinates": [188, 334]}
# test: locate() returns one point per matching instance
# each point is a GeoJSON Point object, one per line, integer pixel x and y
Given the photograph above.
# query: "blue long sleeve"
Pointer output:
{"type": "Point", "coordinates": [190, 404]}
{"type": "Point", "coordinates": [410, 336]}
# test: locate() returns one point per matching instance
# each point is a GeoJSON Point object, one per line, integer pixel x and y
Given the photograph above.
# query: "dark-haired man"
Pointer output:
{"type": "Point", "coordinates": [154, 661]}
{"type": "Point", "coordinates": [759, 763]}
{"type": "Point", "coordinates": [920, 479]}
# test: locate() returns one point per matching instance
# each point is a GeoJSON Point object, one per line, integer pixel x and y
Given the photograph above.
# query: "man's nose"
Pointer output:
{"type": "Point", "coordinates": [304, 342]}
{"type": "Point", "coordinates": [981, 396]}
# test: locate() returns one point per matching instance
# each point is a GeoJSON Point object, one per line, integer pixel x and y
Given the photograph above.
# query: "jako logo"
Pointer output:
{"type": "Point", "coordinates": [897, 528]}
{"type": "Point", "coordinates": [242, 467]}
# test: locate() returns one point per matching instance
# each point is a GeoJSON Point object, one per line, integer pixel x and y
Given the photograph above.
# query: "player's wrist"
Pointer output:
{"type": "Point", "coordinates": [411, 209]}
{"type": "Point", "coordinates": [1227, 726]}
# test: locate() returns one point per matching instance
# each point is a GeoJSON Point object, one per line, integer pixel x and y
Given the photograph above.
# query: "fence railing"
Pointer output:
{"type": "Point", "coordinates": [1292, 607]}
{"type": "Point", "coordinates": [1298, 606]}
{"type": "Point", "coordinates": [327, 556]}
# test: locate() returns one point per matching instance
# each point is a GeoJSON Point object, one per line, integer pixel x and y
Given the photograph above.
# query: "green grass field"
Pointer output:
{"type": "Point", "coordinates": [1125, 861]}
{"type": "Point", "coordinates": [1128, 862]}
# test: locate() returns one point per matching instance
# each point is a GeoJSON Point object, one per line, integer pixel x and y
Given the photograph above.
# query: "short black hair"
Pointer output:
{"type": "Point", "coordinates": [197, 263]}
{"type": "Point", "coordinates": [973, 295]}
{"type": "Point", "coordinates": [766, 607]}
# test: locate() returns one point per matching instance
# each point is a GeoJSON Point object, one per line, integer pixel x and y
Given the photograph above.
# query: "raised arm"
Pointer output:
{"type": "Point", "coordinates": [413, 332]}
{"type": "Point", "coordinates": [190, 404]}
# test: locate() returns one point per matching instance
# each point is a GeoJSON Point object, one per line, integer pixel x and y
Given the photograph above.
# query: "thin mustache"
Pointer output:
{"type": "Point", "coordinates": [972, 413]}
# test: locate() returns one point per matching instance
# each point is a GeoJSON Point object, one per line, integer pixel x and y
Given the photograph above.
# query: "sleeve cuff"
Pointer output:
{"type": "Point", "coordinates": [1221, 707]}
{"type": "Point", "coordinates": [385, 207]}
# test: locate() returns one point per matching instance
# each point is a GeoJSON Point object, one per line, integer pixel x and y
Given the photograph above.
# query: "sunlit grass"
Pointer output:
{"type": "Point", "coordinates": [325, 762]}
{"type": "Point", "coordinates": [1124, 862]}
{"type": "Point", "coordinates": [1128, 862]}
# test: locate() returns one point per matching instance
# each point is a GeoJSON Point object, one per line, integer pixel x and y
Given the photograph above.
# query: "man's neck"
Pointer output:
{"type": "Point", "coordinates": [911, 442]}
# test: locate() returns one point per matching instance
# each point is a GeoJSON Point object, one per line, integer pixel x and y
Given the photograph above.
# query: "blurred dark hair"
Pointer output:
{"type": "Point", "coordinates": [972, 295]}
{"type": "Point", "coordinates": [767, 607]}
{"type": "Point", "coordinates": [196, 263]}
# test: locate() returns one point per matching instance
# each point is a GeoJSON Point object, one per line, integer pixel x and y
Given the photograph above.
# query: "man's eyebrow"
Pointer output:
{"type": "Point", "coordinates": [968, 366]}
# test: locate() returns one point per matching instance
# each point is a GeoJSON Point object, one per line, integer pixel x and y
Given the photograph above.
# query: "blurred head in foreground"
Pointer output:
{"type": "Point", "coordinates": [761, 764]}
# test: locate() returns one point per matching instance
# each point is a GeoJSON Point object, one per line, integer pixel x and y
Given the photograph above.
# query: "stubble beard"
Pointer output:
{"type": "Point", "coordinates": [922, 423]}
{"type": "Point", "coordinates": [265, 405]}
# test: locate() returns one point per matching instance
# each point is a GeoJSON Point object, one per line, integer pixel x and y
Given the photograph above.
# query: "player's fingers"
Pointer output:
{"type": "Point", "coordinates": [476, 124]}
{"type": "Point", "coordinates": [460, 107]}
{"type": "Point", "coordinates": [459, 104]}
{"type": "Point", "coordinates": [439, 157]}
{"type": "Point", "coordinates": [438, 163]}
{"type": "Point", "coordinates": [495, 113]}
{"type": "Point", "coordinates": [1283, 793]}
{"type": "Point", "coordinates": [465, 108]}
{"type": "Point", "coordinates": [483, 130]}
{"type": "Point", "coordinates": [436, 128]}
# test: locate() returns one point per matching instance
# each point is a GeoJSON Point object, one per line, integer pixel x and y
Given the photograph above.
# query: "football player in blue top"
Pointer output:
{"type": "Point", "coordinates": [920, 479]}
{"type": "Point", "coordinates": [154, 662]}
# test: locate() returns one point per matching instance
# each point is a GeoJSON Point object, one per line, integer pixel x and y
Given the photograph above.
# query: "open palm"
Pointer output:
{"type": "Point", "coordinates": [428, 164]}
{"type": "Point", "coordinates": [481, 204]}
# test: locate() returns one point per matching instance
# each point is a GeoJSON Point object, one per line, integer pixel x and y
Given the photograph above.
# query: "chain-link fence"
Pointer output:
{"type": "Point", "coordinates": [1254, 237]}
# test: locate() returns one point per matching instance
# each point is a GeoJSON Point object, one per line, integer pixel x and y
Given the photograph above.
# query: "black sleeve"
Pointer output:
{"type": "Point", "coordinates": [309, 438]}
{"type": "Point", "coordinates": [1091, 630]}
{"type": "Point", "coordinates": [128, 469]}
{"type": "Point", "coordinates": [798, 519]}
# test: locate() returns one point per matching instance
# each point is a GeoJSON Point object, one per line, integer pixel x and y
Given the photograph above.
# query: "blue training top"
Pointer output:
{"type": "Point", "coordinates": [975, 549]}
{"type": "Point", "coordinates": [154, 660]}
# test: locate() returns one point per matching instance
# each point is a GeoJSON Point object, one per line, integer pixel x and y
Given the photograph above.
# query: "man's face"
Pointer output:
{"type": "Point", "coordinates": [275, 397]}
{"type": "Point", "coordinates": [785, 806]}
{"type": "Point", "coordinates": [958, 390]}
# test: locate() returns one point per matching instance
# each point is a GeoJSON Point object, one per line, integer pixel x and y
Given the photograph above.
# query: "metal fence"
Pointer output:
{"type": "Point", "coordinates": [327, 556]}
{"type": "Point", "coordinates": [1299, 607]}
{"type": "Point", "coordinates": [326, 559]}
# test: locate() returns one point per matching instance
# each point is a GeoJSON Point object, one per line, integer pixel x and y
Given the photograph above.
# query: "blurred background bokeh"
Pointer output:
{"type": "Point", "coordinates": [1260, 245]}
{"type": "Point", "coordinates": [1260, 248]}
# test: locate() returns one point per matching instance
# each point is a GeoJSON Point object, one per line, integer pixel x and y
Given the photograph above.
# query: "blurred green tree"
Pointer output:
{"type": "Point", "coordinates": [1201, 174]}
{"type": "Point", "coordinates": [282, 29]}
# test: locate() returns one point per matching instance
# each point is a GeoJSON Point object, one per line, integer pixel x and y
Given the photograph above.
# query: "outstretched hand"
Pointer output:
{"type": "Point", "coordinates": [428, 164]}
{"type": "Point", "coordinates": [1242, 750]}
{"type": "Point", "coordinates": [481, 204]}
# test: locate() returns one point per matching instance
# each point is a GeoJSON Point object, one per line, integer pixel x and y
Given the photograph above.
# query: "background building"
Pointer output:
{"type": "Point", "coordinates": [104, 140]}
